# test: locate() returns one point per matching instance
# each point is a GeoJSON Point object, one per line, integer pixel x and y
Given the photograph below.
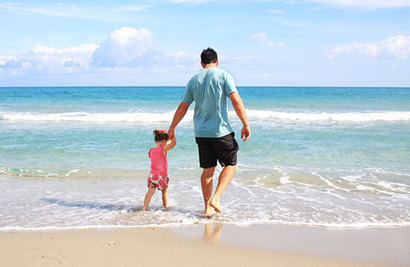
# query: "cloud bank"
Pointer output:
{"type": "Point", "coordinates": [395, 46]}
{"type": "Point", "coordinates": [125, 48]}
{"type": "Point", "coordinates": [130, 56]}
{"type": "Point", "coordinates": [127, 55]}
{"type": "Point", "coordinates": [49, 59]}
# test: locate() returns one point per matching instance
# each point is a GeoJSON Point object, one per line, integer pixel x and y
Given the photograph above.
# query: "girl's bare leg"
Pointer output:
{"type": "Point", "coordinates": [148, 196]}
{"type": "Point", "coordinates": [165, 198]}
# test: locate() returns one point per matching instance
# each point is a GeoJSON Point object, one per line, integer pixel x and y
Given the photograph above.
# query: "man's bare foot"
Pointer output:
{"type": "Point", "coordinates": [216, 205]}
{"type": "Point", "coordinates": [209, 215]}
{"type": "Point", "coordinates": [209, 212]}
{"type": "Point", "coordinates": [144, 208]}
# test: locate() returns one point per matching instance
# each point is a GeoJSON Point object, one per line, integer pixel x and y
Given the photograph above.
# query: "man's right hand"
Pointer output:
{"type": "Point", "coordinates": [245, 133]}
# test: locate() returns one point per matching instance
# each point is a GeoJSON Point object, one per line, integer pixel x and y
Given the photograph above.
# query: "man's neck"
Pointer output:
{"type": "Point", "coordinates": [210, 65]}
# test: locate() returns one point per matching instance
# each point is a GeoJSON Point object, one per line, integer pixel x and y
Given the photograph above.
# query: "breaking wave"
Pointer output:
{"type": "Point", "coordinates": [147, 117]}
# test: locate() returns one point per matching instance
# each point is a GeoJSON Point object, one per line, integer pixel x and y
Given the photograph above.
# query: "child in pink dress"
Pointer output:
{"type": "Point", "coordinates": [158, 176]}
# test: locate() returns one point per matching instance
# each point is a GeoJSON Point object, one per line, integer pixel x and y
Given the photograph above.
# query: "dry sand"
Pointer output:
{"type": "Point", "coordinates": [202, 245]}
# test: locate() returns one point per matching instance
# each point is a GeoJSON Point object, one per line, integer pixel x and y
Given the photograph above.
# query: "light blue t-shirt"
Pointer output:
{"type": "Point", "coordinates": [210, 89]}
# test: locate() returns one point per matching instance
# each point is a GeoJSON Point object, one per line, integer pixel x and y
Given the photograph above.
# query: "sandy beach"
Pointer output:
{"type": "Point", "coordinates": [205, 245]}
{"type": "Point", "coordinates": [291, 121]}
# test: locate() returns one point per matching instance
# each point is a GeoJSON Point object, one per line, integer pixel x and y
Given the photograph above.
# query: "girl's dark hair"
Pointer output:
{"type": "Point", "coordinates": [209, 56]}
{"type": "Point", "coordinates": [160, 135]}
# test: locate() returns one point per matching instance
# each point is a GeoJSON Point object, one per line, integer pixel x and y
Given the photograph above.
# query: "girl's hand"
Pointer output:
{"type": "Point", "coordinates": [172, 143]}
{"type": "Point", "coordinates": [171, 133]}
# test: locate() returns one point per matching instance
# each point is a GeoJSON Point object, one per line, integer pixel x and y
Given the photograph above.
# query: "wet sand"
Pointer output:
{"type": "Point", "coordinates": [212, 244]}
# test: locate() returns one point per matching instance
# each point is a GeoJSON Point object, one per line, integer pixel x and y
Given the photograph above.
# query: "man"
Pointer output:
{"type": "Point", "coordinates": [210, 89]}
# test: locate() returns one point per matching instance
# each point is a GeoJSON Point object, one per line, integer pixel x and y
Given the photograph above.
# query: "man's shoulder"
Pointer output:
{"type": "Point", "coordinates": [220, 71]}
{"type": "Point", "coordinates": [197, 75]}
{"type": "Point", "coordinates": [219, 74]}
{"type": "Point", "coordinates": [215, 73]}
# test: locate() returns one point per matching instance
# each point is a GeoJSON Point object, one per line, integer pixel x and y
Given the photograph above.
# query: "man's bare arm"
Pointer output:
{"type": "Point", "coordinates": [240, 111]}
{"type": "Point", "coordinates": [178, 116]}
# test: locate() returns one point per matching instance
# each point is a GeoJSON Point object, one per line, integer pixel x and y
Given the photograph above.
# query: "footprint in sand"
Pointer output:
{"type": "Point", "coordinates": [113, 244]}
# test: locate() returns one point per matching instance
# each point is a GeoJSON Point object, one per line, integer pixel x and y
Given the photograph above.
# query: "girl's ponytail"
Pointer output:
{"type": "Point", "coordinates": [160, 134]}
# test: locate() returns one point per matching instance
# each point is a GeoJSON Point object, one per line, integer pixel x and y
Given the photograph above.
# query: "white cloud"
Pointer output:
{"type": "Point", "coordinates": [366, 3]}
{"type": "Point", "coordinates": [50, 60]}
{"type": "Point", "coordinates": [182, 59]}
{"type": "Point", "coordinates": [394, 46]}
{"type": "Point", "coordinates": [129, 8]}
{"type": "Point", "coordinates": [85, 49]}
{"type": "Point", "coordinates": [70, 10]}
{"type": "Point", "coordinates": [263, 37]}
{"type": "Point", "coordinates": [126, 50]}
{"type": "Point", "coordinates": [126, 47]}
{"type": "Point", "coordinates": [4, 60]}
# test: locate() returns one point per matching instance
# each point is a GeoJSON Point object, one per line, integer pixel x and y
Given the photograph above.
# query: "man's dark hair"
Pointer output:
{"type": "Point", "coordinates": [209, 56]}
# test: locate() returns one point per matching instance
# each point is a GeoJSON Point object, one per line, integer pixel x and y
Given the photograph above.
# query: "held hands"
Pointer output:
{"type": "Point", "coordinates": [171, 132]}
{"type": "Point", "coordinates": [245, 133]}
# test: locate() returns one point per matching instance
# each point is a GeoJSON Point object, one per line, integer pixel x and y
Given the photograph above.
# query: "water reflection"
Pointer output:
{"type": "Point", "coordinates": [212, 232]}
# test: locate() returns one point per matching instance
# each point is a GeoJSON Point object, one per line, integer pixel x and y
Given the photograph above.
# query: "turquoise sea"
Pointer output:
{"type": "Point", "coordinates": [326, 156]}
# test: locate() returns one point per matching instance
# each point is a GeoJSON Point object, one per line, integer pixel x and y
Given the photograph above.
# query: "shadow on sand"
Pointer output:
{"type": "Point", "coordinates": [115, 207]}
{"type": "Point", "coordinates": [92, 205]}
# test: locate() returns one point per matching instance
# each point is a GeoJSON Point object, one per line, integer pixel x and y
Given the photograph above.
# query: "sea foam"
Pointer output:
{"type": "Point", "coordinates": [327, 116]}
{"type": "Point", "coordinates": [147, 117]}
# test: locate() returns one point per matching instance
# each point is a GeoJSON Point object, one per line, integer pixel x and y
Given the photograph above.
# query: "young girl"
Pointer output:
{"type": "Point", "coordinates": [158, 176]}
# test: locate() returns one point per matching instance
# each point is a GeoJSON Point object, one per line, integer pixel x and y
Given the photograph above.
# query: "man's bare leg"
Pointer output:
{"type": "Point", "coordinates": [224, 179]}
{"type": "Point", "coordinates": [206, 184]}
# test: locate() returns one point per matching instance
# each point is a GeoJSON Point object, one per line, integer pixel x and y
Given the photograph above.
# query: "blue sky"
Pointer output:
{"type": "Point", "coordinates": [273, 43]}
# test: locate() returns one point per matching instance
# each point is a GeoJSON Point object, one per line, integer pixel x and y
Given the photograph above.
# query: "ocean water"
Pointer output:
{"type": "Point", "coordinates": [77, 157]}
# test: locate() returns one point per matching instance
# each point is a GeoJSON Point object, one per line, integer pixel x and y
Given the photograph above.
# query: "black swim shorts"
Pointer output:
{"type": "Point", "coordinates": [224, 149]}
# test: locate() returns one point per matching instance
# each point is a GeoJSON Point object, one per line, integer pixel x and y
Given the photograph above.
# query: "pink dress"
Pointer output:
{"type": "Point", "coordinates": [158, 176]}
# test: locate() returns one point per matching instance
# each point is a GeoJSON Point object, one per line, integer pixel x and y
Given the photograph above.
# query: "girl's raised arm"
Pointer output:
{"type": "Point", "coordinates": [170, 146]}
